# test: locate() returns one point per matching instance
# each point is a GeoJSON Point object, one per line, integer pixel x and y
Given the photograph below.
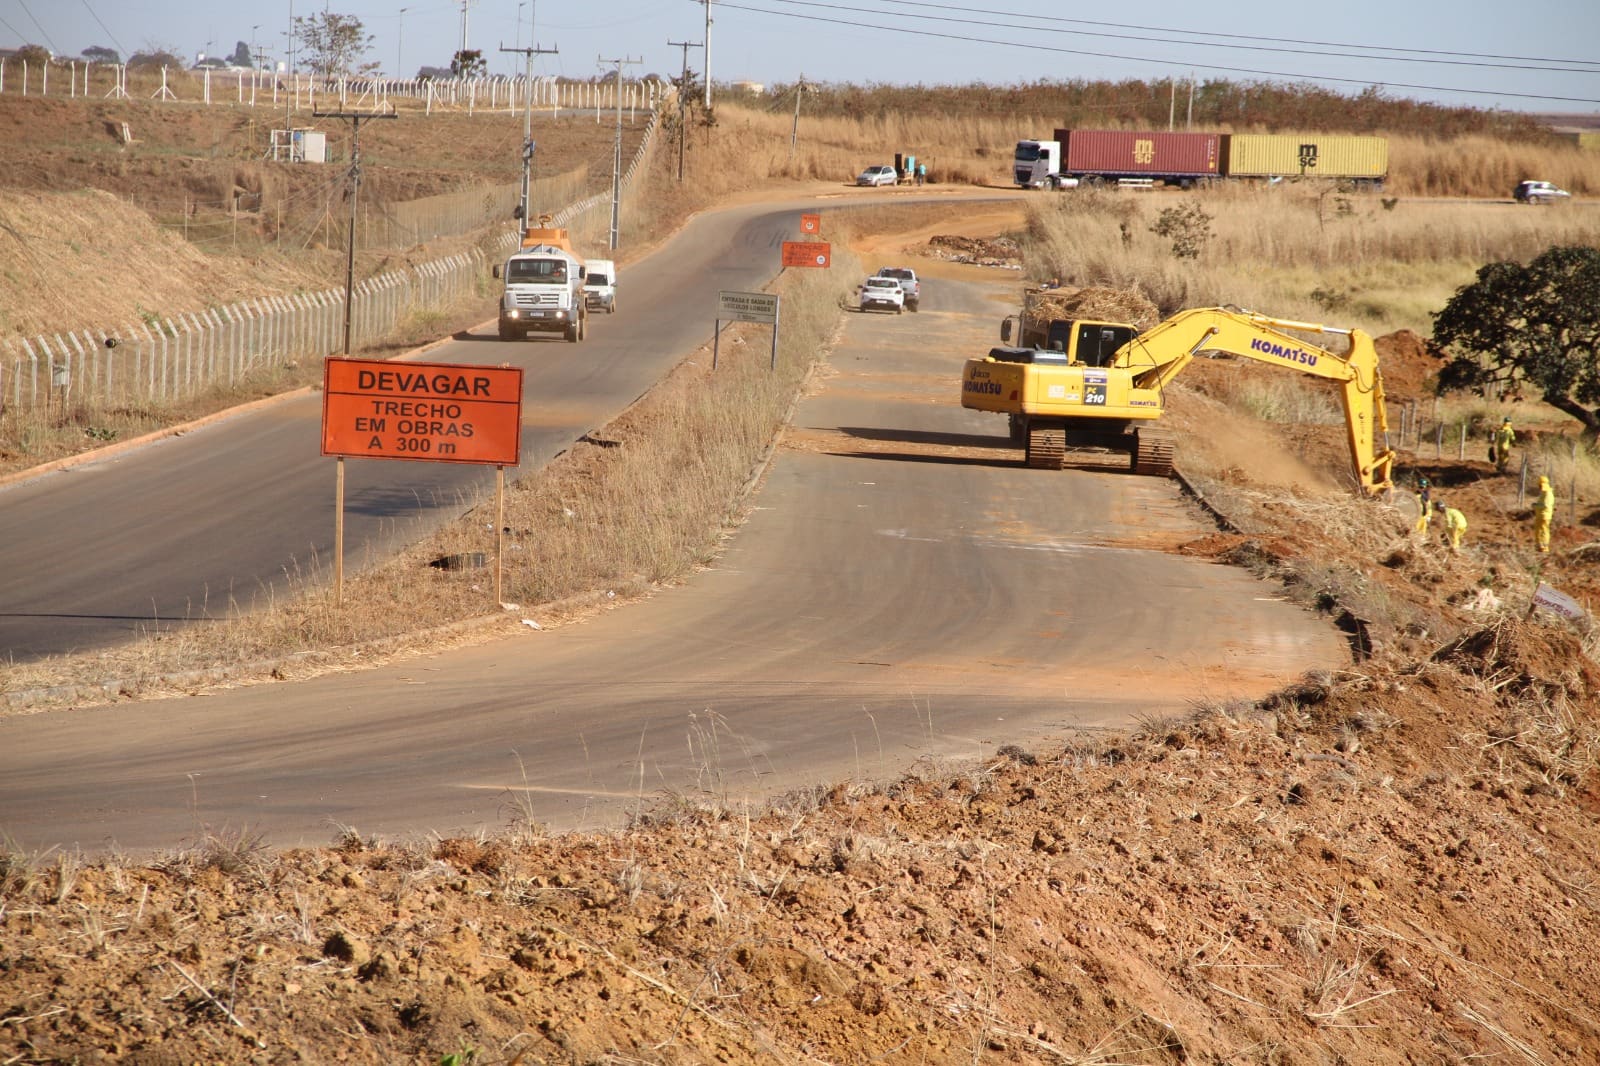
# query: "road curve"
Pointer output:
{"type": "Point", "coordinates": [197, 526]}
{"type": "Point", "coordinates": [903, 589]}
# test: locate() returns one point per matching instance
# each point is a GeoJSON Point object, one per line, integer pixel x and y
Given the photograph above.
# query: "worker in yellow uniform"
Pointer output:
{"type": "Point", "coordinates": [1455, 524]}
{"type": "Point", "coordinates": [1544, 509]}
{"type": "Point", "coordinates": [1424, 506]}
{"type": "Point", "coordinates": [1504, 438]}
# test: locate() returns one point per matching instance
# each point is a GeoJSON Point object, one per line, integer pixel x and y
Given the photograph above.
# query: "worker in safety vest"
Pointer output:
{"type": "Point", "coordinates": [1455, 524]}
{"type": "Point", "coordinates": [1544, 509]}
{"type": "Point", "coordinates": [1504, 438]}
{"type": "Point", "coordinates": [1424, 506]}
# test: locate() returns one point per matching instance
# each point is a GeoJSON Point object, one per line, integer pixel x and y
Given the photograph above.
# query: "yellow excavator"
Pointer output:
{"type": "Point", "coordinates": [1102, 385]}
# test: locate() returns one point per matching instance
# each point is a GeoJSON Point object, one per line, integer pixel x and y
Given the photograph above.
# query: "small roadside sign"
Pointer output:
{"type": "Point", "coordinates": [811, 224]}
{"type": "Point", "coordinates": [433, 412]}
{"type": "Point", "coordinates": [1559, 602]}
{"type": "Point", "coordinates": [806, 253]}
{"type": "Point", "coordinates": [759, 307]}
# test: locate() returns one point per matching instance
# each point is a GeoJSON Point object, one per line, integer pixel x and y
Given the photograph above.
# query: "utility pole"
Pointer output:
{"type": "Point", "coordinates": [707, 56]}
{"type": "Point", "coordinates": [464, 4]}
{"type": "Point", "coordinates": [355, 118]}
{"type": "Point", "coordinates": [527, 121]}
{"type": "Point", "coordinates": [683, 84]}
{"type": "Point", "coordinates": [794, 130]}
{"type": "Point", "coordinates": [616, 152]}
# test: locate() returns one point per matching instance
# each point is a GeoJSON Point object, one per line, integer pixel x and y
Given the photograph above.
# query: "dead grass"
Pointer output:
{"type": "Point", "coordinates": [1301, 252]}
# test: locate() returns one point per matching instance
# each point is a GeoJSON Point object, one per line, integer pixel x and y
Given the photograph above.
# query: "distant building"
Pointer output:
{"type": "Point", "coordinates": [754, 88]}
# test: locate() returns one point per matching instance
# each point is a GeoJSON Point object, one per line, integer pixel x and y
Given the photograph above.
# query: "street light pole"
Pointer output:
{"type": "Point", "coordinates": [399, 41]}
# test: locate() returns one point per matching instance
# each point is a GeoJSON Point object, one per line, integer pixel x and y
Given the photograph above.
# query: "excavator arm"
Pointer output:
{"type": "Point", "coordinates": [1160, 354]}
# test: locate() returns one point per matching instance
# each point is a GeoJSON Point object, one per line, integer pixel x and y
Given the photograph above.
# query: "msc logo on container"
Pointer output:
{"type": "Point", "coordinates": [1308, 157]}
{"type": "Point", "coordinates": [1144, 151]}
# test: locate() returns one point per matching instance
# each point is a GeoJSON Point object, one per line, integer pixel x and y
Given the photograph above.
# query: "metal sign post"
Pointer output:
{"type": "Point", "coordinates": [430, 412]}
{"type": "Point", "coordinates": [758, 307]}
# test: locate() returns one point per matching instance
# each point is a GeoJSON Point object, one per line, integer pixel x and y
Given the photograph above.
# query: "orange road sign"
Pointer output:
{"type": "Point", "coordinates": [435, 412]}
{"type": "Point", "coordinates": [811, 224]}
{"type": "Point", "coordinates": [806, 253]}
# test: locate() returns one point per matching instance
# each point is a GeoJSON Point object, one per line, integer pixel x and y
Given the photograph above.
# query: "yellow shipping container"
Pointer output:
{"type": "Point", "coordinates": [1312, 155]}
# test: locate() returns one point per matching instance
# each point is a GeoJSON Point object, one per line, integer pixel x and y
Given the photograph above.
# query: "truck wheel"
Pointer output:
{"type": "Point", "coordinates": [572, 333]}
{"type": "Point", "coordinates": [507, 333]}
{"type": "Point", "coordinates": [913, 305]}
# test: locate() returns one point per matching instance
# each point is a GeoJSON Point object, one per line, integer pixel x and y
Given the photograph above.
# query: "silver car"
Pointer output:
{"type": "Point", "coordinates": [880, 175]}
{"type": "Point", "coordinates": [1539, 192]}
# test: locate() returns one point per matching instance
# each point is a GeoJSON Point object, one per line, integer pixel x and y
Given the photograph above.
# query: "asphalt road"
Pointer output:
{"type": "Point", "coordinates": [904, 590]}
{"type": "Point", "coordinates": [199, 525]}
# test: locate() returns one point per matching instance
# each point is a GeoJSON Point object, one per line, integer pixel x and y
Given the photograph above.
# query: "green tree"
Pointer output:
{"type": "Point", "coordinates": [332, 43]}
{"type": "Point", "coordinates": [35, 55]}
{"type": "Point", "coordinates": [1188, 227]}
{"type": "Point", "coordinates": [469, 64]}
{"type": "Point", "coordinates": [1536, 325]}
{"type": "Point", "coordinates": [241, 56]}
{"type": "Point", "coordinates": [99, 53]}
{"type": "Point", "coordinates": [154, 56]}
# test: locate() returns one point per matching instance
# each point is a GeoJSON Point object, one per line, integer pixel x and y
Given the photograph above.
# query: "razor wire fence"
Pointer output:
{"type": "Point", "coordinates": [166, 359]}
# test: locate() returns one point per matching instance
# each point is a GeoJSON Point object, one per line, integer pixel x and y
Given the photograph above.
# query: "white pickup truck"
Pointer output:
{"type": "Point", "coordinates": [908, 284]}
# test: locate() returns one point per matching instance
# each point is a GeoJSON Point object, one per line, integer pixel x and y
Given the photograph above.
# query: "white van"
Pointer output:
{"type": "Point", "coordinates": [600, 285]}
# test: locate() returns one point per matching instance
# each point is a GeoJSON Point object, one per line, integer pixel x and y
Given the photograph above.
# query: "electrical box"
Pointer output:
{"type": "Point", "coordinates": [310, 146]}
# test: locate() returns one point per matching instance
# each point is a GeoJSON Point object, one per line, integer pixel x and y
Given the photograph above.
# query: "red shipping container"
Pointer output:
{"type": "Point", "coordinates": [1125, 154]}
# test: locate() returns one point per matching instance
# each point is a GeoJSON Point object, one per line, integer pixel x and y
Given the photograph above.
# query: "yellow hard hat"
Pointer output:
{"type": "Point", "coordinates": [1544, 482]}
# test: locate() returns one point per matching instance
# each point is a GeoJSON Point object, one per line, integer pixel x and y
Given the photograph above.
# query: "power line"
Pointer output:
{"type": "Point", "coordinates": [1343, 47]}
{"type": "Point", "coordinates": [1055, 49]}
{"type": "Point", "coordinates": [1344, 53]}
{"type": "Point", "coordinates": [24, 5]}
{"type": "Point", "coordinates": [121, 51]}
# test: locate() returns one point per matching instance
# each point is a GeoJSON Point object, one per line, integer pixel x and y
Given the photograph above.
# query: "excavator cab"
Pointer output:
{"type": "Point", "coordinates": [1097, 342]}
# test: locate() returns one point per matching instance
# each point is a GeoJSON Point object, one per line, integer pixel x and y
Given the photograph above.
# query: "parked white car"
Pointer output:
{"type": "Point", "coordinates": [1539, 192]}
{"type": "Point", "coordinates": [884, 293]}
{"type": "Point", "coordinates": [879, 175]}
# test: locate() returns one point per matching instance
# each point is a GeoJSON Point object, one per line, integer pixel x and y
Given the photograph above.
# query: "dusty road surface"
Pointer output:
{"type": "Point", "coordinates": [201, 524]}
{"type": "Point", "coordinates": [903, 588]}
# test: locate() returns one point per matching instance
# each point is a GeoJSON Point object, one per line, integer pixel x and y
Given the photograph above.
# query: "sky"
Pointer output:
{"type": "Point", "coordinates": [1474, 53]}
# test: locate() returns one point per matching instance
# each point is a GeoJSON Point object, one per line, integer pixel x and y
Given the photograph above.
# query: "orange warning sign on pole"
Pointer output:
{"type": "Point", "coordinates": [811, 224]}
{"type": "Point", "coordinates": [806, 253]}
{"type": "Point", "coordinates": [434, 412]}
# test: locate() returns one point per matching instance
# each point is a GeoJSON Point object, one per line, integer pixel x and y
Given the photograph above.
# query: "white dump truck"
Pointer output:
{"type": "Point", "coordinates": [543, 287]}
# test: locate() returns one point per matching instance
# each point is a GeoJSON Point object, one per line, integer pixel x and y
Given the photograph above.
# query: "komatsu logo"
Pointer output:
{"type": "Point", "coordinates": [1283, 351]}
{"type": "Point", "coordinates": [988, 388]}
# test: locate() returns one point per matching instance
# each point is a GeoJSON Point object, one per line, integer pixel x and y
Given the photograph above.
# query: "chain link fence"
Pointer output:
{"type": "Point", "coordinates": [166, 359]}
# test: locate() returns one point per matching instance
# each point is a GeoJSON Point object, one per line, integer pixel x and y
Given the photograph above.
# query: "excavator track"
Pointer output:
{"type": "Point", "coordinates": [1047, 447]}
{"type": "Point", "coordinates": [1152, 452]}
